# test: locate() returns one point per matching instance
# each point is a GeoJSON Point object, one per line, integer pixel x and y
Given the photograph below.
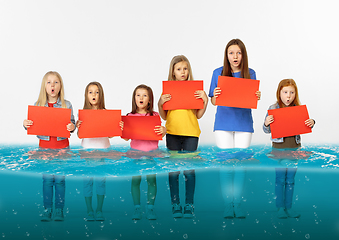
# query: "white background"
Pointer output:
{"type": "Point", "coordinates": [122, 44]}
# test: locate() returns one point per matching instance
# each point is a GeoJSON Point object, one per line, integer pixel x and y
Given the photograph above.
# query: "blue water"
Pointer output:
{"type": "Point", "coordinates": [315, 195]}
{"type": "Point", "coordinates": [121, 161]}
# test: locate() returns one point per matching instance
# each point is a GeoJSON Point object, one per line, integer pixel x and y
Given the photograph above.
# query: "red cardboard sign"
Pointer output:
{"type": "Point", "coordinates": [49, 121]}
{"type": "Point", "coordinates": [141, 127]}
{"type": "Point", "coordinates": [182, 94]}
{"type": "Point", "coordinates": [237, 92]}
{"type": "Point", "coordinates": [99, 123]}
{"type": "Point", "coordinates": [289, 121]}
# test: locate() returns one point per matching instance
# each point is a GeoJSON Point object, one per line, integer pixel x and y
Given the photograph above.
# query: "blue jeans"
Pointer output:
{"type": "Point", "coordinates": [59, 184]}
{"type": "Point", "coordinates": [182, 143]}
{"type": "Point", "coordinates": [173, 178]}
{"type": "Point", "coordinates": [284, 187]}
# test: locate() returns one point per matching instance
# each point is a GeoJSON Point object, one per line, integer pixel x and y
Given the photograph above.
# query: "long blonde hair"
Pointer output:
{"type": "Point", "coordinates": [178, 59]}
{"type": "Point", "coordinates": [42, 100]}
{"type": "Point", "coordinates": [286, 83]}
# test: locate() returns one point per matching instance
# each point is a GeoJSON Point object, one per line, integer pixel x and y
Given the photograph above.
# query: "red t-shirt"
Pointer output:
{"type": "Point", "coordinates": [53, 142]}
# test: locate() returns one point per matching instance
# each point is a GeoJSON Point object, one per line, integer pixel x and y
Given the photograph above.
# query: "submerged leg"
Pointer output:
{"type": "Point", "coordinates": [135, 189]}
{"type": "Point", "coordinates": [152, 188]}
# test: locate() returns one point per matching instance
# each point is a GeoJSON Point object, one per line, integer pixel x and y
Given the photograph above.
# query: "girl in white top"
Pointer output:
{"type": "Point", "coordinates": [94, 99]}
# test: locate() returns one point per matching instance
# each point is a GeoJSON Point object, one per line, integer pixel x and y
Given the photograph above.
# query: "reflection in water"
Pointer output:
{"type": "Point", "coordinates": [232, 179]}
{"type": "Point", "coordinates": [94, 158]}
{"type": "Point", "coordinates": [19, 219]}
{"type": "Point", "coordinates": [285, 179]}
{"type": "Point", "coordinates": [143, 158]}
{"type": "Point", "coordinates": [250, 177]}
{"type": "Point", "coordinates": [50, 154]}
{"type": "Point", "coordinates": [232, 185]}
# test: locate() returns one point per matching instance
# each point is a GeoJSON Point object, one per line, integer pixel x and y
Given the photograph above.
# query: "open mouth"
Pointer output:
{"type": "Point", "coordinates": [93, 99]}
{"type": "Point", "coordinates": [52, 90]}
{"type": "Point", "coordinates": [141, 102]}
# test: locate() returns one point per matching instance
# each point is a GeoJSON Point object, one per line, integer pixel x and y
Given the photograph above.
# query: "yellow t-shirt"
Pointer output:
{"type": "Point", "coordinates": [182, 122]}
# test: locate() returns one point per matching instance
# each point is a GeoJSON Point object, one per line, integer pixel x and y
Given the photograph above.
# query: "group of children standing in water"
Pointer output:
{"type": "Point", "coordinates": [233, 128]}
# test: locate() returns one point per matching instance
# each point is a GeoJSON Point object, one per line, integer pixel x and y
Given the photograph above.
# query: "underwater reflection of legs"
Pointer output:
{"type": "Point", "coordinates": [284, 188]}
{"type": "Point", "coordinates": [100, 183]}
{"type": "Point", "coordinates": [232, 185]}
{"type": "Point", "coordinates": [151, 195]}
{"type": "Point", "coordinates": [173, 178]}
{"type": "Point", "coordinates": [58, 183]}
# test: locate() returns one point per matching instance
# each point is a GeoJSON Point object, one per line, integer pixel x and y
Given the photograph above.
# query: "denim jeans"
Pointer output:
{"type": "Point", "coordinates": [58, 182]}
{"type": "Point", "coordinates": [182, 143]}
{"type": "Point", "coordinates": [173, 178]}
{"type": "Point", "coordinates": [284, 187]}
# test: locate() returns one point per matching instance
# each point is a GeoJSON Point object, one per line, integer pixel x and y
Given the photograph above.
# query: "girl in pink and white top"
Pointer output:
{"type": "Point", "coordinates": [142, 105]}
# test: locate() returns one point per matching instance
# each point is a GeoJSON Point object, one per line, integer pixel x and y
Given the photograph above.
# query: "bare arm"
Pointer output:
{"type": "Point", "coordinates": [216, 92]}
{"type": "Point", "coordinates": [164, 98]}
{"type": "Point", "coordinates": [201, 95]}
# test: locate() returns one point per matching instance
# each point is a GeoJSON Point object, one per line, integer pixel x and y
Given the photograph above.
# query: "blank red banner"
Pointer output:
{"type": "Point", "coordinates": [237, 92]}
{"type": "Point", "coordinates": [141, 127]}
{"type": "Point", "coordinates": [182, 94]}
{"type": "Point", "coordinates": [289, 121]}
{"type": "Point", "coordinates": [49, 121]}
{"type": "Point", "coordinates": [99, 123]}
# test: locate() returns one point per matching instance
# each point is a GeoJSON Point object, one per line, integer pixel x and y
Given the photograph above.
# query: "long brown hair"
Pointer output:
{"type": "Point", "coordinates": [286, 83]}
{"type": "Point", "coordinates": [101, 102]}
{"type": "Point", "coordinates": [178, 59]}
{"type": "Point", "coordinates": [151, 99]}
{"type": "Point", "coordinates": [42, 100]}
{"type": "Point", "coordinates": [227, 70]}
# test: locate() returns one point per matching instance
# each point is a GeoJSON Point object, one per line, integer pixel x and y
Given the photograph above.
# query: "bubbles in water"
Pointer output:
{"type": "Point", "coordinates": [256, 221]}
{"type": "Point", "coordinates": [27, 234]}
{"type": "Point", "coordinates": [307, 236]}
{"type": "Point", "coordinates": [185, 236]}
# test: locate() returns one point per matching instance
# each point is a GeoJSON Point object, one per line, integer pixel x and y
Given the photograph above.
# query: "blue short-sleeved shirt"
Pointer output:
{"type": "Point", "coordinates": [231, 118]}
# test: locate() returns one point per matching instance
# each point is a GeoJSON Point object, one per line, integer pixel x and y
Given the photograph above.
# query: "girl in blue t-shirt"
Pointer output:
{"type": "Point", "coordinates": [233, 127]}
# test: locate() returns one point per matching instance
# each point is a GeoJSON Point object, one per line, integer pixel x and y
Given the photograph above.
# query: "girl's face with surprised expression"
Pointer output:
{"type": "Point", "coordinates": [234, 57]}
{"type": "Point", "coordinates": [181, 71]}
{"type": "Point", "coordinates": [93, 96]}
{"type": "Point", "coordinates": [287, 95]}
{"type": "Point", "coordinates": [142, 100]}
{"type": "Point", "coordinates": [52, 87]}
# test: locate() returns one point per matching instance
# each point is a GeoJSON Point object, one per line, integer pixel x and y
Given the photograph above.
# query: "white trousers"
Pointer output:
{"type": "Point", "coordinates": [228, 139]}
